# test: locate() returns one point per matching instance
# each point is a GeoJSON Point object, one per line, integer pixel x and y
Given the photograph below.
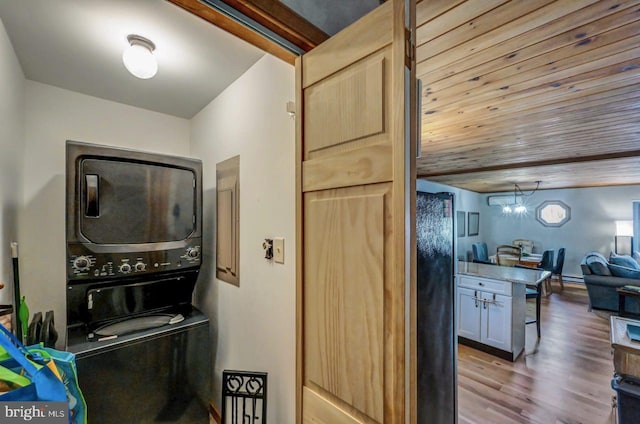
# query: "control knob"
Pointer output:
{"type": "Point", "coordinates": [81, 263]}
{"type": "Point", "coordinates": [125, 268]}
{"type": "Point", "coordinates": [140, 266]}
{"type": "Point", "coordinates": [193, 252]}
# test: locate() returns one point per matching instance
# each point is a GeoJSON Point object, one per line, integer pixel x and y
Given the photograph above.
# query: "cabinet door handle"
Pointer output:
{"type": "Point", "coordinates": [475, 297]}
{"type": "Point", "coordinates": [491, 302]}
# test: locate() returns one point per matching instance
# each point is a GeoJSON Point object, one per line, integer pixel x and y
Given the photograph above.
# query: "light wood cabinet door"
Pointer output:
{"type": "Point", "coordinates": [356, 200]}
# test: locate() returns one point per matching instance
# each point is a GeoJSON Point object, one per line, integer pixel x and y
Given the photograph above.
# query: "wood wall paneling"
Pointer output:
{"type": "Point", "coordinates": [515, 84]}
{"type": "Point", "coordinates": [596, 173]}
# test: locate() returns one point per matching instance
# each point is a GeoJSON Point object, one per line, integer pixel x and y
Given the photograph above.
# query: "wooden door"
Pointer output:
{"type": "Point", "coordinates": [356, 217]}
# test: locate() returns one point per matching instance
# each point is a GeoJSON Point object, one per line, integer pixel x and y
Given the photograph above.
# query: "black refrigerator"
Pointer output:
{"type": "Point", "coordinates": [435, 312]}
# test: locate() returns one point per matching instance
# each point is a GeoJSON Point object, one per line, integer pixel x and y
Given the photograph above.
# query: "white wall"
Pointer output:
{"type": "Point", "coordinates": [11, 147]}
{"type": "Point", "coordinates": [253, 326]}
{"type": "Point", "coordinates": [592, 225]}
{"type": "Point", "coordinates": [54, 115]}
{"type": "Point", "coordinates": [464, 200]}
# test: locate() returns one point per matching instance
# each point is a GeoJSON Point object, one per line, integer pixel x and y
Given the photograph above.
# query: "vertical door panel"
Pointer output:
{"type": "Point", "coordinates": [344, 302]}
{"type": "Point", "coordinates": [347, 106]}
{"type": "Point", "coordinates": [353, 210]}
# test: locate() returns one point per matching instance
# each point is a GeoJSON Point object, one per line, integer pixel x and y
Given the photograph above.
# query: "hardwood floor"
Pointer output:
{"type": "Point", "coordinates": [563, 378]}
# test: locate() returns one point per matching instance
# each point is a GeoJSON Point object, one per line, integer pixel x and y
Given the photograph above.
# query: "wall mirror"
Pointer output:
{"type": "Point", "coordinates": [553, 213]}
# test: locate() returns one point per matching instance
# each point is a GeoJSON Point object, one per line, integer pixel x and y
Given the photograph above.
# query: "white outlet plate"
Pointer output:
{"type": "Point", "coordinates": [278, 250]}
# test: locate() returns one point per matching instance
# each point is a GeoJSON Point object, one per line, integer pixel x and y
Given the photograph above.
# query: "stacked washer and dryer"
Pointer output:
{"type": "Point", "coordinates": [134, 237]}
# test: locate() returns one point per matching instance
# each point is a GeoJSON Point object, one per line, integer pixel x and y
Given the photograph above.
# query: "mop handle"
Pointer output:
{"type": "Point", "coordinates": [16, 285]}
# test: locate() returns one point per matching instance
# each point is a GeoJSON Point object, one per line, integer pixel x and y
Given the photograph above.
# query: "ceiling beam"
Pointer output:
{"type": "Point", "coordinates": [272, 15]}
{"type": "Point", "coordinates": [507, 166]}
{"type": "Point", "coordinates": [282, 20]}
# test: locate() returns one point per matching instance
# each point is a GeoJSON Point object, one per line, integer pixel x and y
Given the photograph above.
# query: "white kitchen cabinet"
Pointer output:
{"type": "Point", "coordinates": [495, 321]}
{"type": "Point", "coordinates": [491, 315]}
{"type": "Point", "coordinates": [469, 321]}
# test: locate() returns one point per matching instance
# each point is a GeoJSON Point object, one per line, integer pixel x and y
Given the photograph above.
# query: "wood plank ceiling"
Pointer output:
{"type": "Point", "coordinates": [526, 90]}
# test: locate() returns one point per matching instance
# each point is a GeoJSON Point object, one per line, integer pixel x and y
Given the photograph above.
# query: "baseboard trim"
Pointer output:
{"type": "Point", "coordinates": [573, 279]}
{"type": "Point", "coordinates": [215, 414]}
{"type": "Point", "coordinates": [485, 348]}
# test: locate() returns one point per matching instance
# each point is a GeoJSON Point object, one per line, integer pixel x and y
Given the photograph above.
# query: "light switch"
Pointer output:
{"type": "Point", "coordinates": [278, 249]}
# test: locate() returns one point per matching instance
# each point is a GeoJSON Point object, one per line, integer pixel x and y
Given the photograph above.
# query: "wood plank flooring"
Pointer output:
{"type": "Point", "coordinates": [565, 377]}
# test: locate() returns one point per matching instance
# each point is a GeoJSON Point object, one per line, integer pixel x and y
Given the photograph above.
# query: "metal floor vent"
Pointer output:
{"type": "Point", "coordinates": [244, 397]}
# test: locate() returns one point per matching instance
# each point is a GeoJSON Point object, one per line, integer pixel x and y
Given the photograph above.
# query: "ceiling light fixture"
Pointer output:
{"type": "Point", "coordinates": [138, 58]}
{"type": "Point", "coordinates": [512, 203]}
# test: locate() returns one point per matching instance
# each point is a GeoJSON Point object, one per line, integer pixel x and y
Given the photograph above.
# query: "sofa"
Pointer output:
{"type": "Point", "coordinates": [602, 277]}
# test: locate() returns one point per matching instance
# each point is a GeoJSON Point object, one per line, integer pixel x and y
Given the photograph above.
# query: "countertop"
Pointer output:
{"type": "Point", "coordinates": [503, 273]}
{"type": "Point", "coordinates": [620, 338]}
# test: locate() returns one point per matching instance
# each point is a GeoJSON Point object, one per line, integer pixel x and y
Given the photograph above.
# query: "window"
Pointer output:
{"type": "Point", "coordinates": [553, 213]}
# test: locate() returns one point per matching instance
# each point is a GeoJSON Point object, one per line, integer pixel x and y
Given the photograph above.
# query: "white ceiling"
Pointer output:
{"type": "Point", "coordinates": [78, 44]}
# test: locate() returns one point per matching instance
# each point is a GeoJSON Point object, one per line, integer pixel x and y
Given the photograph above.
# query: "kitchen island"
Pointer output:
{"type": "Point", "coordinates": [491, 306]}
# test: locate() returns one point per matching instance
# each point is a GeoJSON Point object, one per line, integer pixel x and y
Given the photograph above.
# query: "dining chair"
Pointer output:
{"type": "Point", "coordinates": [480, 253]}
{"type": "Point", "coordinates": [524, 244]}
{"type": "Point", "coordinates": [546, 262]}
{"type": "Point", "coordinates": [533, 291]}
{"type": "Point", "coordinates": [509, 255]}
{"type": "Point", "coordinates": [557, 270]}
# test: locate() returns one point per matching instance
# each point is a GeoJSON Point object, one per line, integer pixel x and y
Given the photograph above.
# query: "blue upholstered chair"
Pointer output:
{"type": "Point", "coordinates": [547, 261]}
{"type": "Point", "coordinates": [480, 253]}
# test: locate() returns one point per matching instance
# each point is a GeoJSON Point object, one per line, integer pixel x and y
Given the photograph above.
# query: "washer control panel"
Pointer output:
{"type": "Point", "coordinates": [85, 264]}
